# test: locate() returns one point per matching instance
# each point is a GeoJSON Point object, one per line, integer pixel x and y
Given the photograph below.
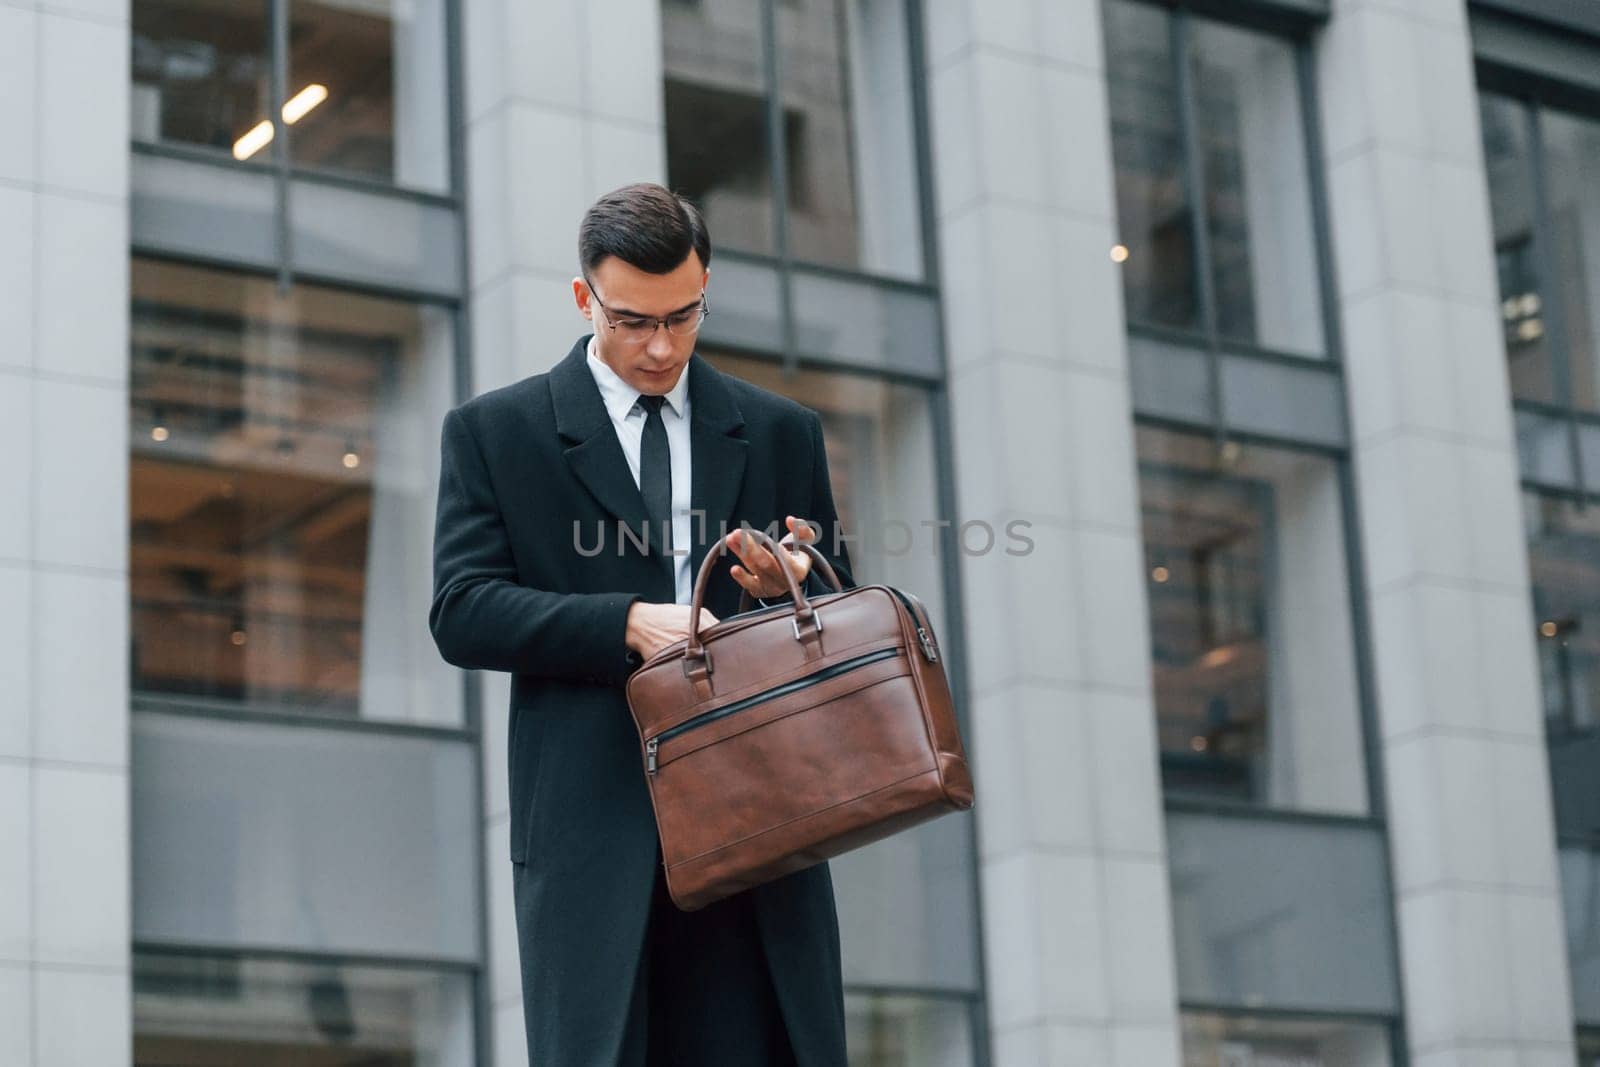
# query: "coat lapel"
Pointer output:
{"type": "Point", "coordinates": [717, 452]}
{"type": "Point", "coordinates": [596, 458]}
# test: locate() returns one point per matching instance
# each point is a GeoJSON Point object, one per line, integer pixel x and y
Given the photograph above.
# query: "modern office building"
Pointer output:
{"type": "Point", "coordinates": [1225, 374]}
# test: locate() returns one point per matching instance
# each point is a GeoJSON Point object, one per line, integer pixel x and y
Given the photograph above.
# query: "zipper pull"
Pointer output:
{"type": "Point", "coordinates": [928, 648]}
{"type": "Point", "coordinates": [650, 747]}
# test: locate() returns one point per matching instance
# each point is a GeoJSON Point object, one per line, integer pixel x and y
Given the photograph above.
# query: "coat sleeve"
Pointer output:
{"type": "Point", "coordinates": [825, 515]}
{"type": "Point", "coordinates": [481, 617]}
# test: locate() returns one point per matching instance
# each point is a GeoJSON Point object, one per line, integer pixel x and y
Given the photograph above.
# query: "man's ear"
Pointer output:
{"type": "Point", "coordinates": [581, 297]}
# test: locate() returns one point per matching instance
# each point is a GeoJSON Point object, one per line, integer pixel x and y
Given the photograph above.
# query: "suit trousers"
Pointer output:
{"type": "Point", "coordinates": [703, 996]}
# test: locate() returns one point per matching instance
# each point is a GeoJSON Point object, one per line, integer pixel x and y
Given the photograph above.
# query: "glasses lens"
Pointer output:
{"type": "Point", "coordinates": [635, 330]}
{"type": "Point", "coordinates": [685, 322]}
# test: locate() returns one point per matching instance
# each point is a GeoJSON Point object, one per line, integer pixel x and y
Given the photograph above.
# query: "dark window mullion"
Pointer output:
{"type": "Point", "coordinates": [1200, 238]}
{"type": "Point", "coordinates": [1554, 300]}
{"type": "Point", "coordinates": [278, 13]}
{"type": "Point", "coordinates": [778, 163]}
{"type": "Point", "coordinates": [1321, 229]}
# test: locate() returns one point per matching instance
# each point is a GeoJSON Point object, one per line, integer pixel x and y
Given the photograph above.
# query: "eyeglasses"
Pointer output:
{"type": "Point", "coordinates": [635, 330]}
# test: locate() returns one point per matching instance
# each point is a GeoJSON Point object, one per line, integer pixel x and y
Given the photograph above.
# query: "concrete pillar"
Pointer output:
{"type": "Point", "coordinates": [1077, 916]}
{"type": "Point", "coordinates": [64, 869]}
{"type": "Point", "coordinates": [563, 103]}
{"type": "Point", "coordinates": [1446, 569]}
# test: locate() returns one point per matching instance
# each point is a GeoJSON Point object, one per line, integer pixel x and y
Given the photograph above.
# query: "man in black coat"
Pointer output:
{"type": "Point", "coordinates": [534, 575]}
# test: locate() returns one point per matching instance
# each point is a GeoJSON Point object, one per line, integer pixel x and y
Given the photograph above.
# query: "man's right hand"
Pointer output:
{"type": "Point", "coordinates": [652, 627]}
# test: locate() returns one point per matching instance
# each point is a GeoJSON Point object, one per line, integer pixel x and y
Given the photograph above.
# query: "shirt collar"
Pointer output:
{"type": "Point", "coordinates": [620, 397]}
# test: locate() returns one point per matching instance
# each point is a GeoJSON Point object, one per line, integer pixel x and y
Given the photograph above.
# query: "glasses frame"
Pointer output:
{"type": "Point", "coordinates": [655, 323]}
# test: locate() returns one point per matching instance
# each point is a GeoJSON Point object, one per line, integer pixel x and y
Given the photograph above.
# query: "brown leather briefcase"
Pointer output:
{"type": "Point", "coordinates": [784, 736]}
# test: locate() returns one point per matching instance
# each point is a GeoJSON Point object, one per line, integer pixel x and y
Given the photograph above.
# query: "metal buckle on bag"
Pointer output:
{"type": "Point", "coordinates": [794, 621]}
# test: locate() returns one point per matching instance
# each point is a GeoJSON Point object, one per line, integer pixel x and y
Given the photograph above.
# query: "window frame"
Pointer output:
{"type": "Point", "coordinates": [475, 974]}
{"type": "Point", "coordinates": [1375, 791]}
{"type": "Point", "coordinates": [1532, 102]}
{"type": "Point", "coordinates": [470, 726]}
{"type": "Point", "coordinates": [1393, 1026]}
{"type": "Point", "coordinates": [278, 171]}
{"type": "Point", "coordinates": [1276, 21]}
{"type": "Point", "coordinates": [1564, 838]}
{"type": "Point", "coordinates": [284, 173]}
{"type": "Point", "coordinates": [277, 151]}
{"type": "Point", "coordinates": [782, 259]}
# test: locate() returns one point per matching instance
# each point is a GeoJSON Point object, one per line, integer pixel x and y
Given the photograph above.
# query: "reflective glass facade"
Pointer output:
{"type": "Point", "coordinates": [280, 503]}
{"type": "Point", "coordinates": [363, 93]}
{"type": "Point", "coordinates": [1255, 691]}
{"type": "Point", "coordinates": [1540, 158]}
{"type": "Point", "coordinates": [242, 1011]}
{"type": "Point", "coordinates": [1213, 191]}
{"type": "Point", "coordinates": [293, 343]}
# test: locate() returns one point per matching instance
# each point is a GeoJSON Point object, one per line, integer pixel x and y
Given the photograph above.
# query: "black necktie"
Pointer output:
{"type": "Point", "coordinates": [655, 480]}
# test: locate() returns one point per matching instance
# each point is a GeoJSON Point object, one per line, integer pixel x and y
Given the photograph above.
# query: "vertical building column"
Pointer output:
{"type": "Point", "coordinates": [1446, 569]}
{"type": "Point", "coordinates": [1076, 908]}
{"type": "Point", "coordinates": [64, 853]}
{"type": "Point", "coordinates": [563, 103]}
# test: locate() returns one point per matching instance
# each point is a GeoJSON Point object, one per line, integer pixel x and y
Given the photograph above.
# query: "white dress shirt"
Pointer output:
{"type": "Point", "coordinates": [628, 417]}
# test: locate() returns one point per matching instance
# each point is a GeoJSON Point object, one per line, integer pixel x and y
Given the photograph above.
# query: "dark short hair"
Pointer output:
{"type": "Point", "coordinates": [645, 225]}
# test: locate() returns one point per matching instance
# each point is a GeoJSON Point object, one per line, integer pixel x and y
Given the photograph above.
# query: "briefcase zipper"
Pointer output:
{"type": "Point", "coordinates": [930, 651]}
{"type": "Point", "coordinates": [704, 718]}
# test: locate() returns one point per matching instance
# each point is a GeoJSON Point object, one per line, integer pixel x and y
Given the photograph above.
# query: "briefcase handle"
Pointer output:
{"type": "Point", "coordinates": [819, 563]}
{"type": "Point", "coordinates": [696, 662]}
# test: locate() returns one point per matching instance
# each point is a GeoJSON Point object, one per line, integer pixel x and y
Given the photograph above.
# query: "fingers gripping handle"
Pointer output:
{"type": "Point", "coordinates": [819, 562]}
{"type": "Point", "coordinates": [696, 661]}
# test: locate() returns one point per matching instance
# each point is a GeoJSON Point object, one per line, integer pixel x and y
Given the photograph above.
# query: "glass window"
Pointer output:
{"type": "Point", "coordinates": [367, 91]}
{"type": "Point", "coordinates": [1155, 218]}
{"type": "Point", "coordinates": [899, 1030]}
{"type": "Point", "coordinates": [1549, 279]}
{"type": "Point", "coordinates": [848, 135]}
{"type": "Point", "coordinates": [257, 833]}
{"type": "Point", "coordinates": [846, 90]}
{"type": "Point", "coordinates": [1258, 194]}
{"type": "Point", "coordinates": [281, 497]}
{"type": "Point", "coordinates": [1564, 561]}
{"type": "Point", "coordinates": [716, 113]}
{"type": "Point", "coordinates": [1253, 900]}
{"type": "Point", "coordinates": [1252, 164]}
{"type": "Point", "coordinates": [1580, 895]}
{"type": "Point", "coordinates": [1254, 664]}
{"type": "Point", "coordinates": [1589, 1048]}
{"type": "Point", "coordinates": [1572, 159]}
{"type": "Point", "coordinates": [242, 1011]}
{"type": "Point", "coordinates": [1252, 1041]}
{"type": "Point", "coordinates": [201, 73]}
{"type": "Point", "coordinates": [1508, 160]}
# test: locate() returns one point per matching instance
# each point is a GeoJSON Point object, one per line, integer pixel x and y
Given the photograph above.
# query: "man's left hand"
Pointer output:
{"type": "Point", "coordinates": [761, 575]}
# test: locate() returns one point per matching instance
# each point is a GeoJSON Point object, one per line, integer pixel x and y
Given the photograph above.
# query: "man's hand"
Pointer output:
{"type": "Point", "coordinates": [652, 627]}
{"type": "Point", "coordinates": [761, 575]}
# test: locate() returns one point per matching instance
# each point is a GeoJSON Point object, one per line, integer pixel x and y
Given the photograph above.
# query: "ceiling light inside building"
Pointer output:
{"type": "Point", "coordinates": [297, 108]}
{"type": "Point", "coordinates": [301, 103]}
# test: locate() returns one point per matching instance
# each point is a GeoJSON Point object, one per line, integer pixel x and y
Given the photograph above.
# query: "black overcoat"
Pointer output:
{"type": "Point", "coordinates": [517, 587]}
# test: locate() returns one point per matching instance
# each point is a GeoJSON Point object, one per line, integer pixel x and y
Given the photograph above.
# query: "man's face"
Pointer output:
{"type": "Point", "coordinates": [652, 367]}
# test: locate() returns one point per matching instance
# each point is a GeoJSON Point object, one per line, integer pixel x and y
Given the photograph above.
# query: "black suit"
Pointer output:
{"type": "Point", "coordinates": [513, 592]}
